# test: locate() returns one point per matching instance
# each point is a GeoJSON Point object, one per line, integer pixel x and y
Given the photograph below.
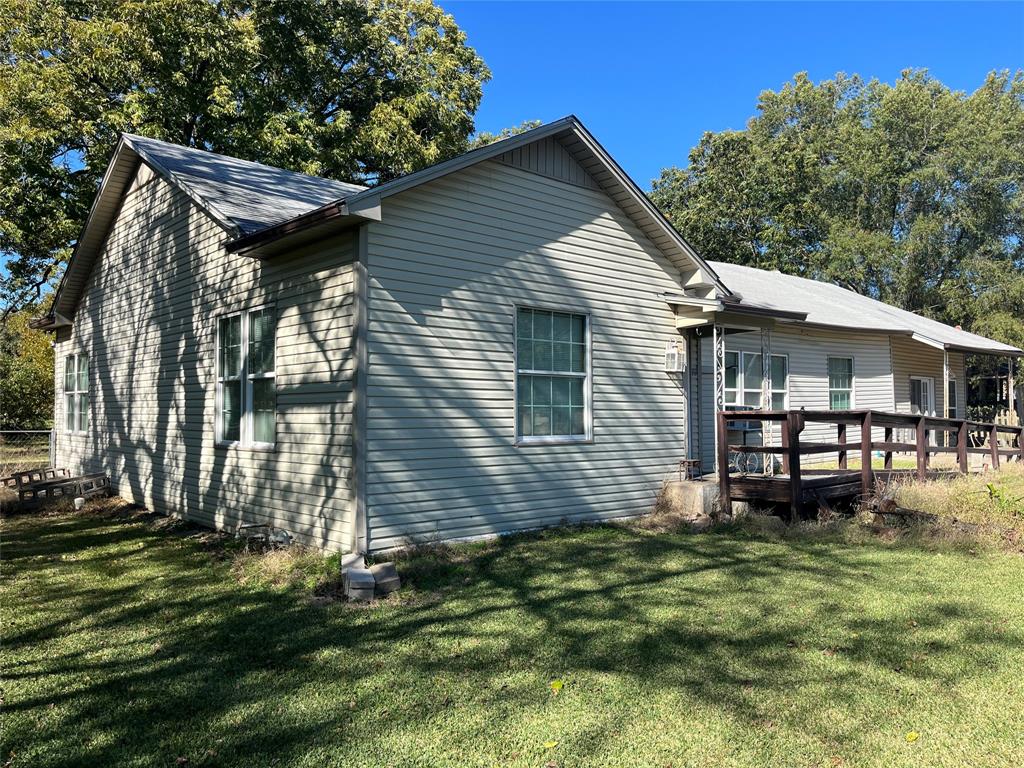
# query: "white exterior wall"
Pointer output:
{"type": "Point", "coordinates": [147, 322]}
{"type": "Point", "coordinates": [447, 266]}
{"type": "Point", "coordinates": [808, 352]}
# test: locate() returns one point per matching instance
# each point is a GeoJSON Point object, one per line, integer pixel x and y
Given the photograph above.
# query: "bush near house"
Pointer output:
{"type": "Point", "coordinates": [130, 642]}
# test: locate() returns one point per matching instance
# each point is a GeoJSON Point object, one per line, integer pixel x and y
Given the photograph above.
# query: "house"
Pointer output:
{"type": "Point", "coordinates": [474, 348]}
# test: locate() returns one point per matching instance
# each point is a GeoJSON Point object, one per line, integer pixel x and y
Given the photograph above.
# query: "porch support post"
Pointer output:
{"type": "Point", "coordinates": [1010, 395]}
{"type": "Point", "coordinates": [945, 383]}
{"type": "Point", "coordinates": [767, 428]}
{"type": "Point", "coordinates": [719, 342]}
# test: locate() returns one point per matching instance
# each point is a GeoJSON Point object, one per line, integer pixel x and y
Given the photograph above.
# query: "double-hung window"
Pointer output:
{"type": "Point", "coordinates": [552, 376]}
{"type": "Point", "coordinates": [76, 393]}
{"type": "Point", "coordinates": [744, 378]}
{"type": "Point", "coordinates": [246, 399]}
{"type": "Point", "coordinates": [840, 383]}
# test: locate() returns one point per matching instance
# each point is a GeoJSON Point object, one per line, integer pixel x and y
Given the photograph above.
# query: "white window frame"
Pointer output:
{"type": "Point", "coordinates": [75, 394]}
{"type": "Point", "coordinates": [741, 387]}
{"type": "Point", "coordinates": [587, 376]}
{"type": "Point", "coordinates": [954, 409]}
{"type": "Point", "coordinates": [853, 381]}
{"type": "Point", "coordinates": [246, 425]}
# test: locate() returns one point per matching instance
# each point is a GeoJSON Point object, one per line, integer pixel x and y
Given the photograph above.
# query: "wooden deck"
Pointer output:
{"type": "Point", "coordinates": [797, 487]}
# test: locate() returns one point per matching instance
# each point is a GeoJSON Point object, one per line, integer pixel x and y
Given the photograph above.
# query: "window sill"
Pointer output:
{"type": "Point", "coordinates": [236, 446]}
{"type": "Point", "coordinates": [527, 442]}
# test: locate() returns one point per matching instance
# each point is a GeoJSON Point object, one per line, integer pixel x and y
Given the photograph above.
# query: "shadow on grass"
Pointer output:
{"type": "Point", "coordinates": [129, 645]}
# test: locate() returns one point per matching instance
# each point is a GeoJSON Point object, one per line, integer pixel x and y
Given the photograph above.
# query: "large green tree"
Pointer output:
{"type": "Point", "coordinates": [910, 192]}
{"type": "Point", "coordinates": [26, 373]}
{"type": "Point", "coordinates": [358, 90]}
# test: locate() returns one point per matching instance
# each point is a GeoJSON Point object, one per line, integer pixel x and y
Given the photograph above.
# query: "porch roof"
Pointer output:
{"type": "Point", "coordinates": [824, 304]}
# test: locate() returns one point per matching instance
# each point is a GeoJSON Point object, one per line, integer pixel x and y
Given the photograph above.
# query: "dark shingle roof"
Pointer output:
{"type": "Point", "coordinates": [244, 195]}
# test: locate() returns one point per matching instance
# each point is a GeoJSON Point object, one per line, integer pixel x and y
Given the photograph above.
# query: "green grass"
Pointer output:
{"type": "Point", "coordinates": [125, 644]}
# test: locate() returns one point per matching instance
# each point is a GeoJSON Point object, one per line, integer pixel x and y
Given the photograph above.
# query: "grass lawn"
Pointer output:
{"type": "Point", "coordinates": [128, 644]}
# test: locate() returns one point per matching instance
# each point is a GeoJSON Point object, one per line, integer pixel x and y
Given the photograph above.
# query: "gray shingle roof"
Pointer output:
{"type": "Point", "coordinates": [829, 305]}
{"type": "Point", "coordinates": [244, 195]}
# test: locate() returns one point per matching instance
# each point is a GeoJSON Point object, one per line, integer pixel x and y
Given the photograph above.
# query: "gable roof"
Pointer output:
{"type": "Point", "coordinates": [263, 209]}
{"type": "Point", "coordinates": [243, 196]}
{"type": "Point", "coordinates": [575, 138]}
{"type": "Point", "coordinates": [828, 305]}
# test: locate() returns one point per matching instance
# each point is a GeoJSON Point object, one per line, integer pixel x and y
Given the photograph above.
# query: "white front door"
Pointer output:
{"type": "Point", "coordinates": [922, 395]}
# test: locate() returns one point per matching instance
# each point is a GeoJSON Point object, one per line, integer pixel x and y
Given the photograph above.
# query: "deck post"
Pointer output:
{"type": "Point", "coordinates": [722, 458]}
{"type": "Point", "coordinates": [843, 464]}
{"type": "Point", "coordinates": [922, 449]}
{"type": "Point", "coordinates": [784, 442]}
{"type": "Point", "coordinates": [993, 439]}
{"type": "Point", "coordinates": [961, 447]}
{"type": "Point", "coordinates": [794, 425]}
{"type": "Point", "coordinates": [888, 454]}
{"type": "Point", "coordinates": [867, 474]}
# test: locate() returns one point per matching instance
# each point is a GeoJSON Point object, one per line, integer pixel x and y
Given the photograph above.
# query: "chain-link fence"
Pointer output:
{"type": "Point", "coordinates": [22, 449]}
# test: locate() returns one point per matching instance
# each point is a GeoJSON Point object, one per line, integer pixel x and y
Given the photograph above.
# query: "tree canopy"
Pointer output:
{"type": "Point", "coordinates": [356, 90]}
{"type": "Point", "coordinates": [26, 374]}
{"type": "Point", "coordinates": [910, 193]}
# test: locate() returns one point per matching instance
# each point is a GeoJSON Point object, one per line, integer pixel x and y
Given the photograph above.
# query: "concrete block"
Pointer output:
{"type": "Point", "coordinates": [352, 560]}
{"type": "Point", "coordinates": [386, 577]}
{"type": "Point", "coordinates": [359, 584]}
{"type": "Point", "coordinates": [692, 499]}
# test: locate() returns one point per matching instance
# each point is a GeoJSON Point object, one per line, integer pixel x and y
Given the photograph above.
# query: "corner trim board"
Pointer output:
{"type": "Point", "coordinates": [361, 536]}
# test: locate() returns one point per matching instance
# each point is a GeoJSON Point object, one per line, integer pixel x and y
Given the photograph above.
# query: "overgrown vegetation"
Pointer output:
{"type": "Point", "coordinates": [989, 499]}
{"type": "Point", "coordinates": [133, 642]}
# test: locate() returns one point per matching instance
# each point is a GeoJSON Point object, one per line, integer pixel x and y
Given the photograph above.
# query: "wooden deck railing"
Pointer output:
{"type": "Point", "coordinates": [792, 448]}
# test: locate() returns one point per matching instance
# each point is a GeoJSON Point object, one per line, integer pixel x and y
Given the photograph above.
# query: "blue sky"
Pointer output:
{"type": "Point", "coordinates": [649, 78]}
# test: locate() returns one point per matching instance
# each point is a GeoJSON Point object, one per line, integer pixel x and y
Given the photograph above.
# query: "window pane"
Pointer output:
{"type": "Point", "coordinates": [541, 325]}
{"type": "Point", "coordinates": [525, 422]}
{"type": "Point", "coordinates": [840, 365]}
{"type": "Point", "coordinates": [839, 401]}
{"type": "Point", "coordinates": [524, 354]}
{"type": "Point", "coordinates": [560, 391]}
{"type": "Point", "coordinates": [579, 333]}
{"type": "Point", "coordinates": [732, 364]}
{"type": "Point", "coordinates": [69, 373]}
{"type": "Point", "coordinates": [560, 421]}
{"type": "Point", "coordinates": [231, 413]}
{"type": "Point", "coordinates": [263, 411]}
{"type": "Point", "coordinates": [83, 373]}
{"type": "Point", "coordinates": [524, 323]}
{"type": "Point", "coordinates": [541, 390]}
{"type": "Point", "coordinates": [83, 413]}
{"type": "Point", "coordinates": [261, 341]}
{"type": "Point", "coordinates": [731, 396]}
{"type": "Point", "coordinates": [576, 421]}
{"type": "Point", "coordinates": [542, 354]}
{"type": "Point", "coordinates": [541, 421]}
{"type": "Point", "coordinates": [752, 399]}
{"type": "Point", "coordinates": [562, 356]}
{"type": "Point", "coordinates": [579, 358]}
{"type": "Point", "coordinates": [231, 346]}
{"type": "Point", "coordinates": [576, 392]}
{"type": "Point", "coordinates": [780, 365]}
{"type": "Point", "coordinates": [778, 401]}
{"type": "Point", "coordinates": [524, 391]}
{"type": "Point", "coordinates": [70, 421]}
{"type": "Point", "coordinates": [561, 327]}
{"type": "Point", "coordinates": [752, 373]}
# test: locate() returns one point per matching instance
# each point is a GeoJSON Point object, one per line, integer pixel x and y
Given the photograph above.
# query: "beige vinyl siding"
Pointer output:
{"type": "Point", "coordinates": [147, 320]}
{"type": "Point", "coordinates": [912, 358]}
{"type": "Point", "coordinates": [549, 158]}
{"type": "Point", "coordinates": [808, 352]}
{"type": "Point", "coordinates": [447, 266]}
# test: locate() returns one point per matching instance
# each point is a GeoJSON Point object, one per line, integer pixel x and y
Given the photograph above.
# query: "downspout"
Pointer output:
{"type": "Point", "coordinates": [360, 529]}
